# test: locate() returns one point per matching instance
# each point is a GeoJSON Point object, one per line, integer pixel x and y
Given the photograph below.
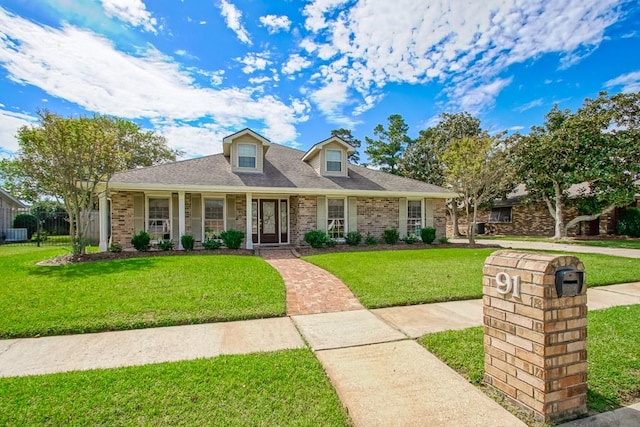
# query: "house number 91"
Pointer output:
{"type": "Point", "coordinates": [508, 284]}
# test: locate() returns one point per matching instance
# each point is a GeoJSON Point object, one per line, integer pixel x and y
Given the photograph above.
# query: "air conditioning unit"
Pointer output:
{"type": "Point", "coordinates": [16, 235]}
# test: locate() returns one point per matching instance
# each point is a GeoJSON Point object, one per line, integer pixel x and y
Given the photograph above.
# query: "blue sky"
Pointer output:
{"type": "Point", "coordinates": [197, 70]}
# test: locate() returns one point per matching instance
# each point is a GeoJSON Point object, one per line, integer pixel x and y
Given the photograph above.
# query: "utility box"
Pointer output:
{"type": "Point", "coordinates": [535, 332]}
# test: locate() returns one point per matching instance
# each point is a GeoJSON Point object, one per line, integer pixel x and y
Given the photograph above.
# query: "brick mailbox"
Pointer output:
{"type": "Point", "coordinates": [535, 332]}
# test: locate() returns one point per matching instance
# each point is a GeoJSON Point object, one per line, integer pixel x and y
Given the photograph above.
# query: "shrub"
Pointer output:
{"type": "Point", "coordinates": [188, 242]}
{"type": "Point", "coordinates": [331, 243]}
{"type": "Point", "coordinates": [115, 248]}
{"type": "Point", "coordinates": [410, 239]}
{"type": "Point", "coordinates": [41, 238]}
{"type": "Point", "coordinates": [353, 238]}
{"type": "Point", "coordinates": [232, 238]}
{"type": "Point", "coordinates": [390, 236]}
{"type": "Point", "coordinates": [370, 240]}
{"type": "Point", "coordinates": [316, 238]}
{"type": "Point", "coordinates": [428, 235]}
{"type": "Point", "coordinates": [30, 222]}
{"type": "Point", "coordinates": [211, 244]}
{"type": "Point", "coordinates": [165, 245]}
{"type": "Point", "coordinates": [443, 240]}
{"type": "Point", "coordinates": [629, 222]}
{"type": "Point", "coordinates": [141, 241]}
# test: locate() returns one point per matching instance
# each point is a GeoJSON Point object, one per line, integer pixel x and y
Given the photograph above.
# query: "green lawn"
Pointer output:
{"type": "Point", "coordinates": [609, 243]}
{"type": "Point", "coordinates": [613, 352]}
{"type": "Point", "coordinates": [132, 293]}
{"type": "Point", "coordinates": [285, 388]}
{"type": "Point", "coordinates": [388, 278]}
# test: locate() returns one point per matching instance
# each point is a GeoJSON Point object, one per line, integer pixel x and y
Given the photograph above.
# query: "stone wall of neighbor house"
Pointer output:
{"type": "Point", "coordinates": [122, 218]}
{"type": "Point", "coordinates": [305, 220]}
{"type": "Point", "coordinates": [376, 215]}
{"type": "Point", "coordinates": [526, 220]}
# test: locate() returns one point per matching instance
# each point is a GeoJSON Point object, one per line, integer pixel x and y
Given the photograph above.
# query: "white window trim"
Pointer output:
{"type": "Point", "coordinates": [238, 155]}
{"type": "Point", "coordinates": [326, 161]}
{"type": "Point", "coordinates": [422, 212]}
{"type": "Point", "coordinates": [346, 215]}
{"type": "Point", "coordinates": [224, 211]}
{"type": "Point", "coordinates": [166, 196]}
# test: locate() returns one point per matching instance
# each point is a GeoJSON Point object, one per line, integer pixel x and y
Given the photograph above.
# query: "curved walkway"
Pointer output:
{"type": "Point", "coordinates": [309, 289]}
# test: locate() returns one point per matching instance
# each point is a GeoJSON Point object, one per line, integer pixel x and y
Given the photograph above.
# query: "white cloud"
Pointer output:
{"type": "Point", "coordinates": [233, 17]}
{"type": "Point", "coordinates": [194, 140]}
{"type": "Point", "coordinates": [516, 128]}
{"type": "Point", "coordinates": [10, 122]}
{"type": "Point", "coordinates": [630, 82]}
{"type": "Point", "coordinates": [331, 99]}
{"type": "Point", "coordinates": [151, 86]}
{"type": "Point", "coordinates": [254, 61]}
{"type": "Point", "coordinates": [463, 44]}
{"type": "Point", "coordinates": [133, 12]}
{"type": "Point", "coordinates": [275, 23]}
{"type": "Point", "coordinates": [529, 105]}
{"type": "Point", "coordinates": [294, 64]}
{"type": "Point", "coordinates": [259, 80]}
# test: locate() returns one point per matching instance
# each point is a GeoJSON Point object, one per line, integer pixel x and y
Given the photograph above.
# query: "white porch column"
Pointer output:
{"type": "Point", "coordinates": [181, 219]}
{"type": "Point", "coordinates": [103, 212]}
{"type": "Point", "coordinates": [249, 234]}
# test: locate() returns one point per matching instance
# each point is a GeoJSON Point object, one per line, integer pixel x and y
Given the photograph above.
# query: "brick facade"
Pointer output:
{"type": "Point", "coordinates": [374, 215]}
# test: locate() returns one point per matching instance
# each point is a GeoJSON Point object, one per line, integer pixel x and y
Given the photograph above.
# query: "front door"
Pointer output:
{"type": "Point", "coordinates": [269, 221]}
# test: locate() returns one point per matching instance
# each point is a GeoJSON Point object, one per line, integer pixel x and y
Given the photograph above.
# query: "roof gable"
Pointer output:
{"type": "Point", "coordinates": [313, 151]}
{"type": "Point", "coordinates": [228, 140]}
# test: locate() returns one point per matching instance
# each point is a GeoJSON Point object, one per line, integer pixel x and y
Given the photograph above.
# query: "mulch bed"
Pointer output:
{"type": "Point", "coordinates": [385, 247]}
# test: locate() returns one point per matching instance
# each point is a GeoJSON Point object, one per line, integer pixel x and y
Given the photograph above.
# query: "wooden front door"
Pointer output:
{"type": "Point", "coordinates": [268, 217]}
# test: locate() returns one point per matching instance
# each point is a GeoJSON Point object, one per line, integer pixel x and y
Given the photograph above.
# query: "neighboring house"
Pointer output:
{"type": "Point", "coordinates": [511, 216]}
{"type": "Point", "coordinates": [9, 208]}
{"type": "Point", "coordinates": [274, 194]}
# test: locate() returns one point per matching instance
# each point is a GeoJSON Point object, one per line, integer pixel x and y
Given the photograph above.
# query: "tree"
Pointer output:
{"type": "Point", "coordinates": [422, 159]}
{"type": "Point", "coordinates": [66, 158]}
{"type": "Point", "coordinates": [477, 168]}
{"type": "Point", "coordinates": [598, 147]}
{"type": "Point", "coordinates": [386, 149]}
{"type": "Point", "coordinates": [347, 136]}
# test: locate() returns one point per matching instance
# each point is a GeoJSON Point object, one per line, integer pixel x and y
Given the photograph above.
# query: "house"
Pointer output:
{"type": "Point", "coordinates": [9, 208]}
{"type": "Point", "coordinates": [274, 194]}
{"type": "Point", "coordinates": [511, 216]}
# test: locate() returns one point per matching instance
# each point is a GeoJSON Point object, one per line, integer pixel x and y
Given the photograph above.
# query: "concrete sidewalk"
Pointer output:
{"type": "Point", "coordinates": [545, 246]}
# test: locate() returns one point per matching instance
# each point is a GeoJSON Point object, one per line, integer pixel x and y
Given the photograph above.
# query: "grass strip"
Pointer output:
{"type": "Point", "coordinates": [613, 353]}
{"type": "Point", "coordinates": [285, 388]}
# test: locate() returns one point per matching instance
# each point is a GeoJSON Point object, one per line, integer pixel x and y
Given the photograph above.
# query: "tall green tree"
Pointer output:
{"type": "Point", "coordinates": [478, 169]}
{"type": "Point", "coordinates": [66, 158]}
{"type": "Point", "coordinates": [422, 159]}
{"type": "Point", "coordinates": [597, 147]}
{"type": "Point", "coordinates": [386, 149]}
{"type": "Point", "coordinates": [347, 136]}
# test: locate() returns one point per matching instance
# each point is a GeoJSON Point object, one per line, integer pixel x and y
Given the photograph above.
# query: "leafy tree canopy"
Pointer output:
{"type": "Point", "coordinates": [387, 147]}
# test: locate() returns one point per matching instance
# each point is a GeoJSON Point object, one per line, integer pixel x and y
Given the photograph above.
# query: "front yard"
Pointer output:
{"type": "Point", "coordinates": [131, 293]}
{"type": "Point", "coordinates": [389, 278]}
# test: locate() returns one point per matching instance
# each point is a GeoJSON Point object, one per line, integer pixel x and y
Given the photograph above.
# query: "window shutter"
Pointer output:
{"type": "Point", "coordinates": [321, 214]}
{"type": "Point", "coordinates": [175, 227]}
{"type": "Point", "coordinates": [353, 214]}
{"type": "Point", "coordinates": [138, 214]}
{"type": "Point", "coordinates": [402, 217]}
{"type": "Point", "coordinates": [196, 216]}
{"type": "Point", "coordinates": [231, 212]}
{"type": "Point", "coordinates": [428, 213]}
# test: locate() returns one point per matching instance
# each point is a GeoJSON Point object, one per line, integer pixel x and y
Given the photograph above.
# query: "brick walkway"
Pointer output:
{"type": "Point", "coordinates": [310, 289]}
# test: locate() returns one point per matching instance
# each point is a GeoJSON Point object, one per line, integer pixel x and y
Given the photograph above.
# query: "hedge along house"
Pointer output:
{"type": "Point", "coordinates": [272, 193]}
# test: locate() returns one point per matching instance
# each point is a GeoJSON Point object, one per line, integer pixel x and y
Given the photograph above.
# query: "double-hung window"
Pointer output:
{"type": "Point", "coordinates": [247, 154]}
{"type": "Point", "coordinates": [159, 222]}
{"type": "Point", "coordinates": [500, 214]}
{"type": "Point", "coordinates": [414, 217]}
{"type": "Point", "coordinates": [335, 218]}
{"type": "Point", "coordinates": [213, 218]}
{"type": "Point", "coordinates": [334, 160]}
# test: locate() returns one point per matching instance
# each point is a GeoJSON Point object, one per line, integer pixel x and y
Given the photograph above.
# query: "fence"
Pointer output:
{"type": "Point", "coordinates": [23, 227]}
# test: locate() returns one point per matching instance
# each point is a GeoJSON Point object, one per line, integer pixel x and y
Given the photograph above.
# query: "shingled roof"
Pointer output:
{"type": "Point", "coordinates": [283, 170]}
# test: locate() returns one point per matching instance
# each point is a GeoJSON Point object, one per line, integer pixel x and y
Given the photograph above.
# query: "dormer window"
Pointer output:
{"type": "Point", "coordinates": [247, 154]}
{"type": "Point", "coordinates": [334, 160]}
